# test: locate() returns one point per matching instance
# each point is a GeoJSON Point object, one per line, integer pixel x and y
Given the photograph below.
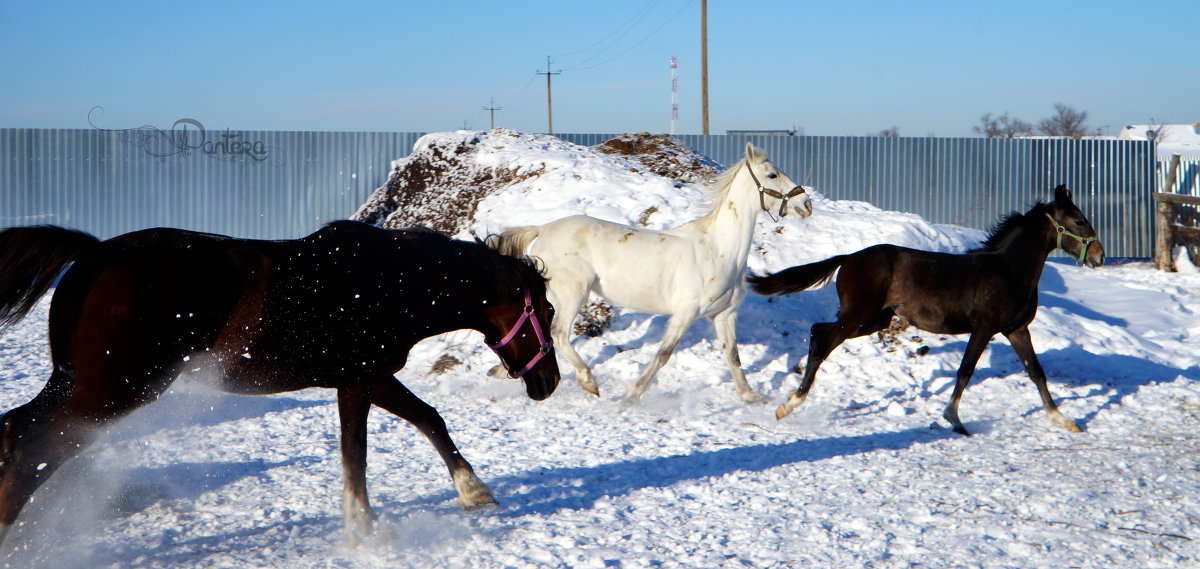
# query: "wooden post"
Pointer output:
{"type": "Point", "coordinates": [1164, 256]}
{"type": "Point", "coordinates": [704, 67]}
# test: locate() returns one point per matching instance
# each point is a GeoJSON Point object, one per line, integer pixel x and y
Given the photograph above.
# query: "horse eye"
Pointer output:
{"type": "Point", "coordinates": [772, 175]}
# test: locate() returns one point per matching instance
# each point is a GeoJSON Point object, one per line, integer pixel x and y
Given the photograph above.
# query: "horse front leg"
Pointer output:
{"type": "Point", "coordinates": [1022, 344]}
{"type": "Point", "coordinates": [975, 347]}
{"type": "Point", "coordinates": [726, 326]}
{"type": "Point", "coordinates": [391, 395]}
{"type": "Point", "coordinates": [567, 300]}
{"type": "Point", "coordinates": [354, 404]}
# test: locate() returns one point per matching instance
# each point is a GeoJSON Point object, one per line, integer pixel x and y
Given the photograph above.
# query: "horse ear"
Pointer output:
{"type": "Point", "coordinates": [1062, 194]}
{"type": "Point", "coordinates": [754, 153]}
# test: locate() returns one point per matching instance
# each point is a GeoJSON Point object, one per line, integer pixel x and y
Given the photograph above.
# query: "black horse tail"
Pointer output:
{"type": "Point", "coordinates": [798, 278]}
{"type": "Point", "coordinates": [31, 258]}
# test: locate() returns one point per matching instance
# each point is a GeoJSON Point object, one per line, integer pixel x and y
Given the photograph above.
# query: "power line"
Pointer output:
{"type": "Point", "coordinates": [633, 21]}
{"type": "Point", "coordinates": [635, 44]}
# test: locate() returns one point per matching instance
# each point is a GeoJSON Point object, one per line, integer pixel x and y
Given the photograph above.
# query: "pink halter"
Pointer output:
{"type": "Point", "coordinates": [546, 344]}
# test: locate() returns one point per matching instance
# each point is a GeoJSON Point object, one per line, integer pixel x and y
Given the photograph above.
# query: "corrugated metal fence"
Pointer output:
{"type": "Point", "coordinates": [285, 184]}
{"type": "Point", "coordinates": [965, 181]}
{"type": "Point", "coordinates": [253, 184]}
{"type": "Point", "coordinates": [1187, 176]}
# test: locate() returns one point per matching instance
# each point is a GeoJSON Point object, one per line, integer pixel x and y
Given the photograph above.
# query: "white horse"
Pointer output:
{"type": "Point", "coordinates": [696, 269]}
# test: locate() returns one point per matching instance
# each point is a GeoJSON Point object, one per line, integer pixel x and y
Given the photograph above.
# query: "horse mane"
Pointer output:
{"type": "Point", "coordinates": [502, 273]}
{"type": "Point", "coordinates": [506, 272]}
{"type": "Point", "coordinates": [716, 190]}
{"type": "Point", "coordinates": [1009, 226]}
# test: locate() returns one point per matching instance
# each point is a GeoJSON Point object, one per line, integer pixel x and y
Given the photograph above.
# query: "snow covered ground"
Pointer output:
{"type": "Point", "coordinates": [866, 474]}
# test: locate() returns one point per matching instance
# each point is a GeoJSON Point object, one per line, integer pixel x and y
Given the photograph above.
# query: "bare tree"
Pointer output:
{"type": "Point", "coordinates": [1066, 122]}
{"type": "Point", "coordinates": [893, 132]}
{"type": "Point", "coordinates": [1003, 126]}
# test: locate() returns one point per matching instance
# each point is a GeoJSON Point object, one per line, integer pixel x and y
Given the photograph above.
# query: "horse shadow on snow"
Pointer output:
{"type": "Point", "coordinates": [545, 491]}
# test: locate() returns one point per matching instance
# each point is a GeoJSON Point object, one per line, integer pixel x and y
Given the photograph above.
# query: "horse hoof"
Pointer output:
{"type": "Point", "coordinates": [590, 387]}
{"type": "Point", "coordinates": [794, 402]}
{"type": "Point", "coordinates": [1061, 420]}
{"type": "Point", "coordinates": [1071, 426]}
{"type": "Point", "coordinates": [472, 492]}
{"type": "Point", "coordinates": [488, 506]}
{"type": "Point", "coordinates": [752, 397]}
{"type": "Point", "coordinates": [478, 501]}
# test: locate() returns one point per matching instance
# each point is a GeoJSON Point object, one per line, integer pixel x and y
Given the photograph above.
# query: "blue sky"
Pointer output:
{"type": "Point", "coordinates": [830, 68]}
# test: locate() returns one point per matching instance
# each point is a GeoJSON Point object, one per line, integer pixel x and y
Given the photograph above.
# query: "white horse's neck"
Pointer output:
{"type": "Point", "coordinates": [729, 226]}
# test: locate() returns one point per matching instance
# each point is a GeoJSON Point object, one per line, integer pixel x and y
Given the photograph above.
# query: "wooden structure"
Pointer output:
{"type": "Point", "coordinates": [1177, 221]}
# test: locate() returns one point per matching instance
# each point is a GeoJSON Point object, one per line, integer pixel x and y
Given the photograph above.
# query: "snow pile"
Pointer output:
{"type": "Point", "coordinates": [441, 183]}
{"type": "Point", "coordinates": [866, 474]}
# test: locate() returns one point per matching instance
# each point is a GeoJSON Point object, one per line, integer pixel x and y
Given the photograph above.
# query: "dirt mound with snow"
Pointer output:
{"type": "Point", "coordinates": [436, 187]}
{"type": "Point", "coordinates": [663, 155]}
{"type": "Point", "coordinates": [441, 184]}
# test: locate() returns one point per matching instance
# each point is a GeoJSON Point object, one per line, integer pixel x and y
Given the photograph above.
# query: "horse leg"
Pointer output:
{"type": "Point", "coordinates": [1022, 344]}
{"type": "Point", "coordinates": [40, 436]}
{"type": "Point", "coordinates": [852, 322]}
{"type": "Point", "coordinates": [391, 395]}
{"type": "Point", "coordinates": [677, 325]}
{"type": "Point", "coordinates": [825, 336]}
{"type": "Point", "coordinates": [26, 456]}
{"type": "Point", "coordinates": [354, 404]}
{"type": "Point", "coordinates": [975, 347]}
{"type": "Point", "coordinates": [566, 301]}
{"type": "Point", "coordinates": [726, 325]}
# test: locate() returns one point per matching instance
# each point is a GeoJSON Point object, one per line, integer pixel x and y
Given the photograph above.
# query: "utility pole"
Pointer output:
{"type": "Point", "coordinates": [674, 95]}
{"type": "Point", "coordinates": [493, 110]}
{"type": "Point", "coordinates": [549, 106]}
{"type": "Point", "coordinates": [704, 66]}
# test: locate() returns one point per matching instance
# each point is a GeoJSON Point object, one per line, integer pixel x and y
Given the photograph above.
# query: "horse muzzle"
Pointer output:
{"type": "Point", "coordinates": [540, 383]}
{"type": "Point", "coordinates": [1093, 254]}
{"type": "Point", "coordinates": [803, 208]}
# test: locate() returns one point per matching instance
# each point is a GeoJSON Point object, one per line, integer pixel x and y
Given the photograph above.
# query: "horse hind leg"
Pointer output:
{"type": "Point", "coordinates": [975, 347]}
{"type": "Point", "coordinates": [35, 439]}
{"type": "Point", "coordinates": [677, 325]}
{"type": "Point", "coordinates": [824, 338]}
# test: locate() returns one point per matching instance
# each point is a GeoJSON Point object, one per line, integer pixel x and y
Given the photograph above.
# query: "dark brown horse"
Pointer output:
{"type": "Point", "coordinates": [984, 292]}
{"type": "Point", "coordinates": [340, 309]}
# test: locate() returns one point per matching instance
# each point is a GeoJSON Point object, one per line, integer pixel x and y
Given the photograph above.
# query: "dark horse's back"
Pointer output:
{"type": "Point", "coordinates": [934, 291]}
{"type": "Point", "coordinates": [199, 296]}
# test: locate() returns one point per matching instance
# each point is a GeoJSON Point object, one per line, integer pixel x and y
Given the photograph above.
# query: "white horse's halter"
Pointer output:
{"type": "Point", "coordinates": [762, 201]}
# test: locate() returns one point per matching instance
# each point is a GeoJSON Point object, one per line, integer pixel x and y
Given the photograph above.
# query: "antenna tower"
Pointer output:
{"type": "Point", "coordinates": [674, 95]}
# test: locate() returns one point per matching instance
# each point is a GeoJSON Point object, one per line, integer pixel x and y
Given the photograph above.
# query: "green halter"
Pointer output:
{"type": "Point", "coordinates": [1085, 241]}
